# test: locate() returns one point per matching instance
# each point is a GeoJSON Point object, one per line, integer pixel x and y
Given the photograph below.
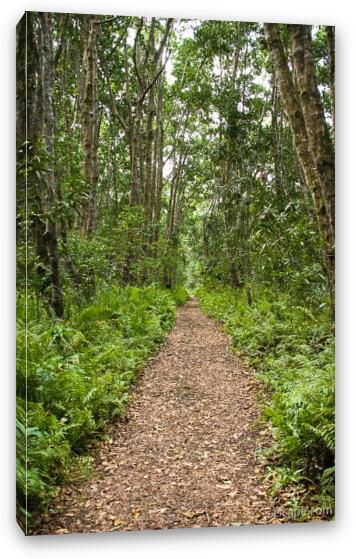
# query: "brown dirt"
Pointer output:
{"type": "Point", "coordinates": [187, 454]}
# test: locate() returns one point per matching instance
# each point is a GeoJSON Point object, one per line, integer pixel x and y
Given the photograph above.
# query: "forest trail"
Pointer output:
{"type": "Point", "coordinates": [185, 456]}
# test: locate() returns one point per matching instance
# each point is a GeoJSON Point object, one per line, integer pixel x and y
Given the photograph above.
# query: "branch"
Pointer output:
{"type": "Point", "coordinates": [118, 42]}
{"type": "Point", "coordinates": [153, 81]}
{"type": "Point", "coordinates": [107, 20]}
{"type": "Point", "coordinates": [163, 40]}
{"type": "Point", "coordinates": [61, 45]}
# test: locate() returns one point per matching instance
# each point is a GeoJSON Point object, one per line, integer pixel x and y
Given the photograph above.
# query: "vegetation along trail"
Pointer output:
{"type": "Point", "coordinates": [186, 456]}
{"type": "Point", "coordinates": [158, 159]}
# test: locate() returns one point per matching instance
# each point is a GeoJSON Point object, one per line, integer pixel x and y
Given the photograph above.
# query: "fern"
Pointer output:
{"type": "Point", "coordinates": [77, 377]}
{"type": "Point", "coordinates": [326, 433]}
{"type": "Point", "coordinates": [292, 350]}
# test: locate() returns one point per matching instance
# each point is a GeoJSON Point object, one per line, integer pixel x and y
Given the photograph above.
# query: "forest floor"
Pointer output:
{"type": "Point", "coordinates": [186, 453]}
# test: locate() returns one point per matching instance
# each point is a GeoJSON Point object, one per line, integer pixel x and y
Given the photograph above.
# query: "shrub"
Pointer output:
{"type": "Point", "coordinates": [180, 295]}
{"type": "Point", "coordinates": [292, 350]}
{"type": "Point", "coordinates": [77, 376]}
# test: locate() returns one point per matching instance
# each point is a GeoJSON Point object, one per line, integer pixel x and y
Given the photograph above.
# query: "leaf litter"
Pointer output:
{"type": "Point", "coordinates": [186, 453]}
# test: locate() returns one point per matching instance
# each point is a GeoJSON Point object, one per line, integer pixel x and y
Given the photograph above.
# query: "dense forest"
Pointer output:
{"type": "Point", "coordinates": [159, 159]}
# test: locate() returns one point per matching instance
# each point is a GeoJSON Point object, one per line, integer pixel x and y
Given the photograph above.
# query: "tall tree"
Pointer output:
{"type": "Point", "coordinates": [51, 233]}
{"type": "Point", "coordinates": [91, 119]}
{"type": "Point", "coordinates": [301, 102]}
{"type": "Point", "coordinates": [318, 133]}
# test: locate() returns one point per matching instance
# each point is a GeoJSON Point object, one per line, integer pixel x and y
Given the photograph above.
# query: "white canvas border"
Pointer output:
{"type": "Point", "coordinates": [308, 540]}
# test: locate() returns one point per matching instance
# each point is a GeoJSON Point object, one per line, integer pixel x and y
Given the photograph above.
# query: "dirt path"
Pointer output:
{"type": "Point", "coordinates": [186, 456]}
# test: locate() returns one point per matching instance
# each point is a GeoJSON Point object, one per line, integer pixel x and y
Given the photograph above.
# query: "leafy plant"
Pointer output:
{"type": "Point", "coordinates": [180, 295]}
{"type": "Point", "coordinates": [291, 349]}
{"type": "Point", "coordinates": [77, 376]}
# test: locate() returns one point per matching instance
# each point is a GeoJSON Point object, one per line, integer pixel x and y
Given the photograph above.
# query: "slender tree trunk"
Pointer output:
{"type": "Point", "coordinates": [90, 122]}
{"type": "Point", "coordinates": [29, 114]}
{"type": "Point", "coordinates": [159, 180]}
{"type": "Point", "coordinates": [56, 294]}
{"type": "Point", "coordinates": [27, 126]}
{"type": "Point", "coordinates": [149, 156]}
{"type": "Point", "coordinates": [330, 33]}
{"type": "Point", "coordinates": [277, 150]}
{"type": "Point", "coordinates": [135, 158]}
{"type": "Point", "coordinates": [318, 134]}
{"type": "Point", "coordinates": [148, 66]}
{"type": "Point", "coordinates": [293, 107]}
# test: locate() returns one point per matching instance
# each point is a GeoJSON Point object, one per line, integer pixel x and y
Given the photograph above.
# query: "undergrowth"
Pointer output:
{"type": "Point", "coordinates": [291, 348]}
{"type": "Point", "coordinates": [180, 295]}
{"type": "Point", "coordinates": [76, 375]}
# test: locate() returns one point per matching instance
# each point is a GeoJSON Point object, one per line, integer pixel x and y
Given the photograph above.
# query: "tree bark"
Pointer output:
{"type": "Point", "coordinates": [277, 143]}
{"type": "Point", "coordinates": [51, 237]}
{"type": "Point", "coordinates": [293, 107]}
{"type": "Point", "coordinates": [90, 122]}
{"type": "Point", "coordinates": [330, 33]}
{"type": "Point", "coordinates": [148, 67]}
{"type": "Point", "coordinates": [318, 134]}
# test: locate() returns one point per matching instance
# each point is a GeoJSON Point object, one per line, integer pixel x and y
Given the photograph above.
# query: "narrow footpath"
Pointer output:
{"type": "Point", "coordinates": [186, 454]}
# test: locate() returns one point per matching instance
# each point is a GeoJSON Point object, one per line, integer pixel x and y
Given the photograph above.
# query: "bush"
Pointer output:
{"type": "Point", "coordinates": [292, 350]}
{"type": "Point", "coordinates": [180, 295]}
{"type": "Point", "coordinates": [77, 376]}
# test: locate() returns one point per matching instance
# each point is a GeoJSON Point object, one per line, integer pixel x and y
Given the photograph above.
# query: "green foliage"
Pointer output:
{"type": "Point", "coordinates": [292, 350]}
{"type": "Point", "coordinates": [43, 455]}
{"type": "Point", "coordinates": [77, 376]}
{"type": "Point", "coordinates": [222, 200]}
{"type": "Point", "coordinates": [180, 295]}
{"type": "Point", "coordinates": [120, 253]}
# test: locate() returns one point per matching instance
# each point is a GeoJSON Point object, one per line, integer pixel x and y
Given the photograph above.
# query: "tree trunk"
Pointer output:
{"type": "Point", "coordinates": [27, 125]}
{"type": "Point", "coordinates": [277, 148]}
{"type": "Point", "coordinates": [51, 238]}
{"type": "Point", "coordinates": [90, 122]}
{"type": "Point", "coordinates": [330, 33]}
{"type": "Point", "coordinates": [318, 134]}
{"type": "Point", "coordinates": [293, 107]}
